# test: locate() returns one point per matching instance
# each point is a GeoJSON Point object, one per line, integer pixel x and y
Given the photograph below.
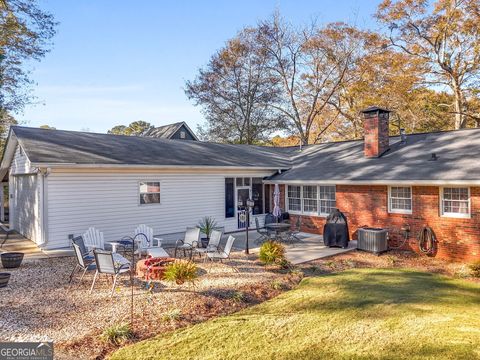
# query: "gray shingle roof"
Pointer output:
{"type": "Point", "coordinates": [166, 131]}
{"type": "Point", "coordinates": [458, 159]}
{"type": "Point", "coordinates": [458, 155]}
{"type": "Point", "coordinates": [58, 146]}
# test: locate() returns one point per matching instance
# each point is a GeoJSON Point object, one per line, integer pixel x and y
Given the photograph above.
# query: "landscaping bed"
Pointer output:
{"type": "Point", "coordinates": [39, 304]}
{"type": "Point", "coordinates": [390, 259]}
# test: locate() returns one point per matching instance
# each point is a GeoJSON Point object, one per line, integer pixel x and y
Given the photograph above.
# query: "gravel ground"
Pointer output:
{"type": "Point", "coordinates": [40, 305]}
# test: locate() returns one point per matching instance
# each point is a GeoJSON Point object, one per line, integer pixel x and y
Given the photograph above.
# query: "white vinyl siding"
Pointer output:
{"type": "Point", "coordinates": [20, 163]}
{"type": "Point", "coordinates": [24, 205]}
{"type": "Point", "coordinates": [311, 199]}
{"type": "Point", "coordinates": [24, 197]}
{"type": "Point", "coordinates": [400, 199]}
{"type": "Point", "coordinates": [455, 202]}
{"type": "Point", "coordinates": [109, 202]}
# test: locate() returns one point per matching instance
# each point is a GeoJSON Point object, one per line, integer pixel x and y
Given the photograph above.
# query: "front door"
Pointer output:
{"type": "Point", "coordinates": [243, 194]}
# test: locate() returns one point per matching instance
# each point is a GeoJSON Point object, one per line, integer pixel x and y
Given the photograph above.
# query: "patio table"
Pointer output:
{"type": "Point", "coordinates": [278, 228]}
{"type": "Point", "coordinates": [128, 243]}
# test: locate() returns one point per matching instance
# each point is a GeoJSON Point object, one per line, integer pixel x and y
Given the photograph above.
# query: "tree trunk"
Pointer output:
{"type": "Point", "coordinates": [460, 122]}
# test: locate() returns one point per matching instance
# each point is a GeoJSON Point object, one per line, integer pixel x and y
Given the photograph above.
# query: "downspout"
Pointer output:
{"type": "Point", "coordinates": [44, 205]}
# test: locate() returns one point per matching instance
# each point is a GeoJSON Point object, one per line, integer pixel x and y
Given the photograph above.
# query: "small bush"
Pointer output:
{"type": "Point", "coordinates": [238, 296]}
{"type": "Point", "coordinates": [181, 271]}
{"type": "Point", "coordinates": [172, 315]}
{"type": "Point", "coordinates": [277, 285]}
{"type": "Point", "coordinates": [117, 334]}
{"type": "Point", "coordinates": [475, 268]}
{"type": "Point", "coordinates": [464, 271]}
{"type": "Point", "coordinates": [272, 252]}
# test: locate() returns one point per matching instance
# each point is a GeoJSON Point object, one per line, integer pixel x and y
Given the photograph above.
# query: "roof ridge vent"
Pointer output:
{"type": "Point", "coordinates": [434, 157]}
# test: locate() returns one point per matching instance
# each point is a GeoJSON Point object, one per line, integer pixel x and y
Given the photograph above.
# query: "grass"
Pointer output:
{"type": "Point", "coordinates": [117, 334]}
{"type": "Point", "coordinates": [355, 314]}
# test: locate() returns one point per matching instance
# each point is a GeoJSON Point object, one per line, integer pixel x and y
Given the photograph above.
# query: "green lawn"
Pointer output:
{"type": "Point", "coordinates": [357, 314]}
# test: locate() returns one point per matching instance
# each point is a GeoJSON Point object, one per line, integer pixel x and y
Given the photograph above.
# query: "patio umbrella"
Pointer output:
{"type": "Point", "coordinates": [277, 212]}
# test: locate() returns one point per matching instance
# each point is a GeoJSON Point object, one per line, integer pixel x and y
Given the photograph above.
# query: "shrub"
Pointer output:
{"type": "Point", "coordinates": [238, 296]}
{"type": "Point", "coordinates": [172, 315]}
{"type": "Point", "coordinates": [272, 252]}
{"type": "Point", "coordinates": [277, 285]}
{"type": "Point", "coordinates": [181, 271]}
{"type": "Point", "coordinates": [463, 271]}
{"type": "Point", "coordinates": [475, 268]}
{"type": "Point", "coordinates": [117, 334]}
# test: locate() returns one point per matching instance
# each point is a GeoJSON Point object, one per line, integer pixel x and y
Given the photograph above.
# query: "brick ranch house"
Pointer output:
{"type": "Point", "coordinates": [62, 182]}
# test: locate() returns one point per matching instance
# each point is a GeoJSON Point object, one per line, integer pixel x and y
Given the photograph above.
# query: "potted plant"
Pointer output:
{"type": "Point", "coordinates": [11, 260]}
{"type": "Point", "coordinates": [207, 225]}
{"type": "Point", "coordinates": [4, 277]}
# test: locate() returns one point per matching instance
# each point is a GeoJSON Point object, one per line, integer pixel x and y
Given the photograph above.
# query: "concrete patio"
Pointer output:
{"type": "Point", "coordinates": [311, 247]}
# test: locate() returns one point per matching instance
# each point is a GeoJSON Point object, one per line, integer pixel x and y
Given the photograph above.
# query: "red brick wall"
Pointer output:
{"type": "Point", "coordinates": [458, 239]}
{"type": "Point", "coordinates": [375, 126]}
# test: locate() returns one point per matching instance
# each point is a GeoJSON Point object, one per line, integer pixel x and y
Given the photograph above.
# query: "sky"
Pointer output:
{"type": "Point", "coordinates": [114, 62]}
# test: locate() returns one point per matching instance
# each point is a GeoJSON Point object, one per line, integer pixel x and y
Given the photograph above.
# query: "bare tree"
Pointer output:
{"type": "Point", "coordinates": [310, 64]}
{"type": "Point", "coordinates": [235, 90]}
{"type": "Point", "coordinates": [446, 36]}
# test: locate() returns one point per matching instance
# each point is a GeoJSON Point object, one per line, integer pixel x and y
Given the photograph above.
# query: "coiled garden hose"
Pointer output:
{"type": "Point", "coordinates": [426, 241]}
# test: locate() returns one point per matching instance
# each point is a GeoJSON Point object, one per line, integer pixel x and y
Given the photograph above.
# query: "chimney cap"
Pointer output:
{"type": "Point", "coordinates": [374, 109]}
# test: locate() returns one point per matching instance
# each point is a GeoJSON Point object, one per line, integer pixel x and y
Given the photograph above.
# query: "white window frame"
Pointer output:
{"type": "Point", "coordinates": [301, 211]}
{"type": "Point", "coordinates": [455, 215]}
{"type": "Point", "coordinates": [297, 212]}
{"type": "Point", "coordinates": [140, 193]}
{"type": "Point", "coordinates": [399, 211]}
{"type": "Point", "coordinates": [302, 199]}
{"type": "Point", "coordinates": [319, 206]}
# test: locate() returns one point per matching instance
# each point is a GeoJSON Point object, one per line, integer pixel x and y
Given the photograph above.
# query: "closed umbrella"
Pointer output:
{"type": "Point", "coordinates": [277, 212]}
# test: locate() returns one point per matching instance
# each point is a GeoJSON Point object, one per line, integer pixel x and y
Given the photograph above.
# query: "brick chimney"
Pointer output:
{"type": "Point", "coordinates": [375, 125]}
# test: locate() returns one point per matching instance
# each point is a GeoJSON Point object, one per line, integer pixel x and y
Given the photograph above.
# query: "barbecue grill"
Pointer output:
{"type": "Point", "coordinates": [335, 231]}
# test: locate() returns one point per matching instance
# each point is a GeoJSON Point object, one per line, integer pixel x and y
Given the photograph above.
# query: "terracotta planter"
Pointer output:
{"type": "Point", "coordinates": [12, 260]}
{"type": "Point", "coordinates": [4, 278]}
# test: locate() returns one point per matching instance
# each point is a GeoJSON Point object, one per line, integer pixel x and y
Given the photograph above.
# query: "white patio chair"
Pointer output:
{"type": "Point", "coordinates": [93, 239]}
{"type": "Point", "coordinates": [213, 243]}
{"type": "Point", "coordinates": [192, 237]}
{"type": "Point", "coordinates": [148, 241]}
{"type": "Point", "coordinates": [223, 254]}
{"type": "Point", "coordinates": [106, 264]}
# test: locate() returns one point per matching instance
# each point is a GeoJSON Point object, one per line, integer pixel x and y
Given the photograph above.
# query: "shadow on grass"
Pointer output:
{"type": "Point", "coordinates": [357, 289]}
{"type": "Point", "coordinates": [404, 349]}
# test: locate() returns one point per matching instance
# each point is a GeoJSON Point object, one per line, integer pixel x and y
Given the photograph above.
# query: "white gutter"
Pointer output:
{"type": "Point", "coordinates": [375, 182]}
{"type": "Point", "coordinates": [131, 166]}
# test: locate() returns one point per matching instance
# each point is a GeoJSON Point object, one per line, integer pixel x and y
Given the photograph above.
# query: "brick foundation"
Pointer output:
{"type": "Point", "coordinates": [458, 239]}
